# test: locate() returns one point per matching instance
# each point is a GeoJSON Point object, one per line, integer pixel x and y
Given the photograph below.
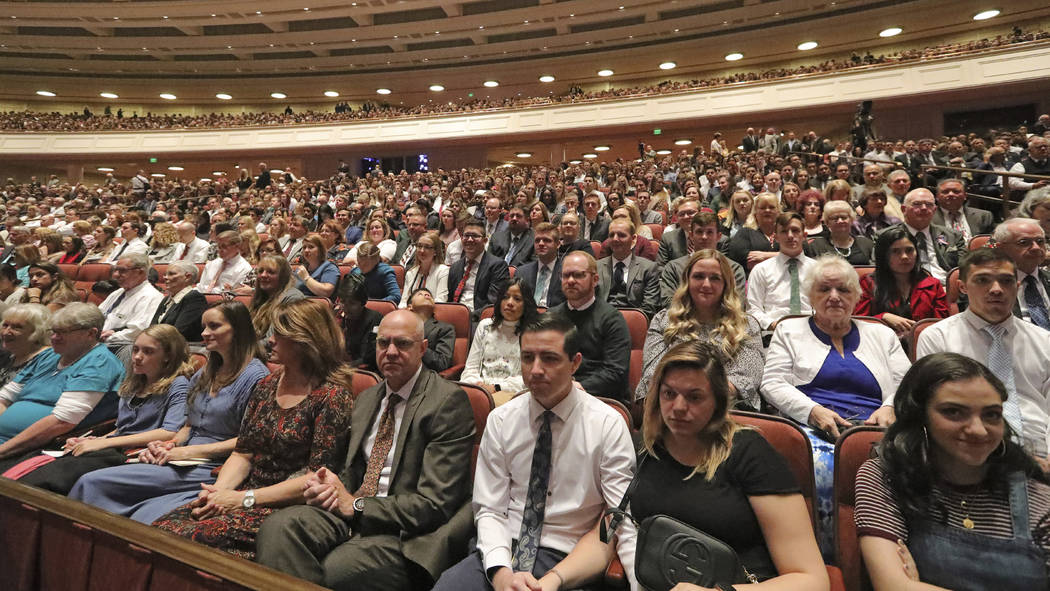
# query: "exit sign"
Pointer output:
{"type": "Point", "coordinates": [657, 131]}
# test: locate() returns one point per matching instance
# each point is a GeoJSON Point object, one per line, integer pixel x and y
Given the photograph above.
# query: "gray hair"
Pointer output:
{"type": "Point", "coordinates": [138, 260]}
{"type": "Point", "coordinates": [78, 315]}
{"type": "Point", "coordinates": [1004, 232]}
{"type": "Point", "coordinates": [186, 268]}
{"type": "Point", "coordinates": [843, 205]}
{"type": "Point", "coordinates": [36, 316]}
{"type": "Point", "coordinates": [899, 172]}
{"type": "Point", "coordinates": [830, 262]}
{"type": "Point", "coordinates": [1032, 199]}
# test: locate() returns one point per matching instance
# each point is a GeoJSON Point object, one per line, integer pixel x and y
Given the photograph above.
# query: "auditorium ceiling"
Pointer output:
{"type": "Point", "coordinates": [281, 52]}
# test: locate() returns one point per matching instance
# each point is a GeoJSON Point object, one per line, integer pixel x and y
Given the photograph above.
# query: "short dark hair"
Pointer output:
{"type": "Point", "coordinates": [475, 223]}
{"type": "Point", "coordinates": [704, 218]}
{"type": "Point", "coordinates": [352, 287]}
{"type": "Point", "coordinates": [559, 323]}
{"type": "Point", "coordinates": [785, 218]}
{"type": "Point", "coordinates": [9, 272]}
{"type": "Point", "coordinates": [983, 256]}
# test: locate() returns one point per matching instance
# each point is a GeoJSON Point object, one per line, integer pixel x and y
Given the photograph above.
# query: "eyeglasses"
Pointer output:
{"type": "Point", "coordinates": [65, 331]}
{"type": "Point", "coordinates": [472, 236]}
{"type": "Point", "coordinates": [423, 246]}
{"type": "Point", "coordinates": [1028, 242]}
{"type": "Point", "coordinates": [403, 344]}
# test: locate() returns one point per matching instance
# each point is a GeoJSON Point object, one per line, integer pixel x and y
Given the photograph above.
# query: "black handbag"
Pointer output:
{"type": "Point", "coordinates": [671, 552]}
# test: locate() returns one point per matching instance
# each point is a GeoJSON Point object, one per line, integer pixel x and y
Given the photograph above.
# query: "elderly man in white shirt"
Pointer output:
{"type": "Point", "coordinates": [537, 510]}
{"type": "Point", "coordinates": [774, 289]}
{"type": "Point", "coordinates": [1017, 352]}
{"type": "Point", "coordinates": [132, 244]}
{"type": "Point", "coordinates": [190, 247]}
{"type": "Point", "coordinates": [130, 309]}
{"type": "Point", "coordinates": [228, 270]}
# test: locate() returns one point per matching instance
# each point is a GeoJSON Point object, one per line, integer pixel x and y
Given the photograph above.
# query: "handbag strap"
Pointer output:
{"type": "Point", "coordinates": [619, 513]}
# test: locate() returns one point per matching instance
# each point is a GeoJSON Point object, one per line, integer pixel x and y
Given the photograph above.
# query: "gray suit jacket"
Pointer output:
{"type": "Point", "coordinates": [643, 285]}
{"type": "Point", "coordinates": [430, 482]}
{"type": "Point", "coordinates": [671, 277]}
{"type": "Point", "coordinates": [979, 220]}
{"type": "Point", "coordinates": [672, 245]}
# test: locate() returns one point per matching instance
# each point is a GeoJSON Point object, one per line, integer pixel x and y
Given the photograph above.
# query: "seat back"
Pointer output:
{"type": "Point", "coordinates": [20, 539]}
{"type": "Point", "coordinates": [657, 231]}
{"type": "Point", "coordinates": [384, 307]}
{"type": "Point", "coordinates": [620, 408]}
{"type": "Point", "coordinates": [871, 320]}
{"type": "Point", "coordinates": [853, 448]}
{"type": "Point", "coordinates": [637, 325]}
{"type": "Point", "coordinates": [978, 241]}
{"type": "Point", "coordinates": [953, 290]}
{"type": "Point", "coordinates": [913, 337]}
{"type": "Point", "coordinates": [863, 270]}
{"type": "Point", "coordinates": [345, 268]}
{"type": "Point", "coordinates": [161, 269]}
{"type": "Point", "coordinates": [458, 315]}
{"type": "Point", "coordinates": [399, 274]}
{"type": "Point", "coordinates": [362, 380]}
{"type": "Point", "coordinates": [482, 404]}
{"type": "Point", "coordinates": [70, 271]}
{"type": "Point", "coordinates": [94, 272]}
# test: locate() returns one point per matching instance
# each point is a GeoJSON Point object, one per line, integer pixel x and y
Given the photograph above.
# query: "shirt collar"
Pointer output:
{"type": "Point", "coordinates": [914, 231]}
{"type": "Point", "coordinates": [586, 304]}
{"type": "Point", "coordinates": [979, 324]}
{"type": "Point", "coordinates": [405, 391]}
{"type": "Point", "coordinates": [563, 410]}
{"type": "Point", "coordinates": [626, 261]}
{"type": "Point", "coordinates": [182, 293]}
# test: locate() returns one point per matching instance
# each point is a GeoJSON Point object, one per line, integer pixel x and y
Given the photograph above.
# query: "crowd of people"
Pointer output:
{"type": "Point", "coordinates": [747, 266]}
{"type": "Point", "coordinates": [370, 110]}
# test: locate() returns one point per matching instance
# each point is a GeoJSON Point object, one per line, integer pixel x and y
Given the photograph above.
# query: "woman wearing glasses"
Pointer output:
{"type": "Point", "coordinates": [427, 272]}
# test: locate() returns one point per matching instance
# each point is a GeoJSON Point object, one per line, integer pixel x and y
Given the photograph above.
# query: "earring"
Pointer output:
{"type": "Point", "coordinates": [1001, 449]}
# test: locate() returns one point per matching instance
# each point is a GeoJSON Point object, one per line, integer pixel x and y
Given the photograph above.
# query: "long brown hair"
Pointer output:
{"type": "Point", "coordinates": [176, 363]}
{"type": "Point", "coordinates": [263, 303]}
{"type": "Point", "coordinates": [312, 326]}
{"type": "Point", "coordinates": [244, 346]}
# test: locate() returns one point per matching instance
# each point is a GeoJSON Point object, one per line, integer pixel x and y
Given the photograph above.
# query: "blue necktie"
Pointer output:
{"type": "Point", "coordinates": [1001, 364]}
{"type": "Point", "coordinates": [536, 501]}
{"type": "Point", "coordinates": [1034, 301]}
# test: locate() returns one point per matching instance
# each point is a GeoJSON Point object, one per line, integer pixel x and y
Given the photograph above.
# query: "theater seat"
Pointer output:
{"type": "Point", "coordinates": [384, 307]}
{"type": "Point", "coordinates": [953, 291]}
{"type": "Point", "coordinates": [637, 325]}
{"type": "Point", "coordinates": [871, 320]}
{"type": "Point", "coordinates": [362, 380]}
{"type": "Point", "coordinates": [20, 541]}
{"type": "Point", "coordinates": [863, 270]}
{"type": "Point", "coordinates": [657, 231]}
{"type": "Point", "coordinates": [399, 274]}
{"type": "Point", "coordinates": [70, 271]}
{"type": "Point", "coordinates": [852, 449]}
{"type": "Point", "coordinates": [913, 338]}
{"type": "Point", "coordinates": [620, 408]}
{"type": "Point", "coordinates": [66, 544]}
{"type": "Point", "coordinates": [117, 564]}
{"type": "Point", "coordinates": [458, 315]}
{"type": "Point", "coordinates": [94, 272]}
{"type": "Point", "coordinates": [482, 404]}
{"type": "Point", "coordinates": [597, 248]}
{"type": "Point", "coordinates": [978, 241]}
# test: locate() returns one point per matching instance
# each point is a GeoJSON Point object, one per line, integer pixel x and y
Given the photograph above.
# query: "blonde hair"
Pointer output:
{"type": "Point", "coordinates": [164, 234]}
{"type": "Point", "coordinates": [731, 326]}
{"type": "Point", "coordinates": [751, 222]}
{"type": "Point", "coordinates": [720, 429]}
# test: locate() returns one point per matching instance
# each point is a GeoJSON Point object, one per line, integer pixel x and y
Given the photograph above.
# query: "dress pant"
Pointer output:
{"type": "Point", "coordinates": [469, 573]}
{"type": "Point", "coordinates": [318, 546]}
{"type": "Point", "coordinates": [60, 476]}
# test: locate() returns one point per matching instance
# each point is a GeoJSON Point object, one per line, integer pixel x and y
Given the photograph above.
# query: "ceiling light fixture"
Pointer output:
{"type": "Point", "coordinates": [605, 73]}
{"type": "Point", "coordinates": [732, 57]}
{"type": "Point", "coordinates": [546, 78]}
{"type": "Point", "coordinates": [278, 95]}
{"type": "Point", "coordinates": [109, 95]}
{"type": "Point", "coordinates": [168, 96]}
{"type": "Point", "coordinates": [807, 45]}
{"type": "Point", "coordinates": [331, 93]}
{"type": "Point", "coordinates": [104, 169]}
{"type": "Point", "coordinates": [663, 152]}
{"type": "Point", "coordinates": [668, 66]}
{"type": "Point", "coordinates": [591, 156]}
{"type": "Point", "coordinates": [890, 32]}
{"type": "Point", "coordinates": [491, 84]}
{"type": "Point", "coordinates": [217, 173]}
{"type": "Point", "coordinates": [222, 96]}
{"type": "Point", "coordinates": [158, 175]}
{"type": "Point", "coordinates": [437, 87]}
{"type": "Point", "coordinates": [986, 14]}
{"type": "Point", "coordinates": [382, 91]}
{"type": "Point", "coordinates": [176, 168]}
{"type": "Point", "coordinates": [683, 142]}
{"type": "Point", "coordinates": [602, 148]}
{"type": "Point", "coordinates": [45, 93]}
{"type": "Point", "coordinates": [575, 161]}
{"type": "Point", "coordinates": [524, 155]}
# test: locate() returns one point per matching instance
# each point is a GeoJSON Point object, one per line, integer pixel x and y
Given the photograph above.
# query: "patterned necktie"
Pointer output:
{"type": "Point", "coordinates": [795, 304]}
{"type": "Point", "coordinates": [1035, 303]}
{"type": "Point", "coordinates": [1001, 364]}
{"type": "Point", "coordinates": [408, 254]}
{"type": "Point", "coordinates": [920, 248]}
{"type": "Point", "coordinates": [380, 449]}
{"type": "Point", "coordinates": [958, 226]}
{"type": "Point", "coordinates": [463, 282]}
{"type": "Point", "coordinates": [542, 279]}
{"type": "Point", "coordinates": [536, 501]}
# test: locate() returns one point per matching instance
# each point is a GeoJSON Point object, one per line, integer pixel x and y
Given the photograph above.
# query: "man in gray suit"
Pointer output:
{"type": "Point", "coordinates": [385, 521]}
{"type": "Point", "coordinates": [626, 280]}
{"type": "Point", "coordinates": [675, 242]}
{"type": "Point", "coordinates": [952, 211]}
{"type": "Point", "coordinates": [703, 234]}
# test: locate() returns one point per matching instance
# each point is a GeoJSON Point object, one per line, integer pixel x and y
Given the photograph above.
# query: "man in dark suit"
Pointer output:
{"type": "Point", "coordinates": [440, 336]}
{"type": "Point", "coordinates": [415, 226]}
{"type": "Point", "coordinates": [542, 277]}
{"type": "Point", "coordinates": [569, 235]}
{"type": "Point", "coordinates": [513, 244]}
{"type": "Point", "coordinates": [626, 280]}
{"type": "Point", "coordinates": [789, 145]}
{"type": "Point", "coordinates": [955, 214]}
{"type": "Point", "coordinates": [937, 248]}
{"type": "Point", "coordinates": [382, 520]}
{"type": "Point", "coordinates": [182, 306]}
{"type": "Point", "coordinates": [477, 279]}
{"type": "Point", "coordinates": [594, 225]}
{"type": "Point", "coordinates": [1024, 241]}
{"type": "Point", "coordinates": [750, 141]}
{"type": "Point", "coordinates": [927, 177]}
{"type": "Point", "coordinates": [493, 216]}
{"type": "Point", "coordinates": [675, 243]}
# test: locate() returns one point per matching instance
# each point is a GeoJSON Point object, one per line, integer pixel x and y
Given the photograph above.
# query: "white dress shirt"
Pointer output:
{"type": "Point", "coordinates": [1018, 183]}
{"type": "Point", "coordinates": [592, 463]}
{"type": "Point", "coordinates": [134, 312]}
{"type": "Point", "coordinates": [769, 289]}
{"type": "Point", "coordinates": [932, 264]}
{"type": "Point", "coordinates": [198, 251]}
{"type": "Point", "coordinates": [399, 413]}
{"type": "Point", "coordinates": [133, 246]}
{"type": "Point", "coordinates": [231, 273]}
{"type": "Point", "coordinates": [467, 297]}
{"type": "Point", "coordinates": [1029, 348]}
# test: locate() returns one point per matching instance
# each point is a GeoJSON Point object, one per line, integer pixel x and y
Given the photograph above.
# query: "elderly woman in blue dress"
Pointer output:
{"type": "Point", "coordinates": [828, 371]}
{"type": "Point", "coordinates": [73, 383]}
{"type": "Point", "coordinates": [169, 473]}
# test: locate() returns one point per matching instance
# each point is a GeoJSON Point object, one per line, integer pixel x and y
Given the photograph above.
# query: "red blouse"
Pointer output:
{"type": "Point", "coordinates": [928, 299]}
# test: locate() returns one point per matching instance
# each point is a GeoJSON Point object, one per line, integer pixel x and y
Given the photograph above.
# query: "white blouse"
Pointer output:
{"type": "Point", "coordinates": [436, 282]}
{"type": "Point", "coordinates": [495, 357]}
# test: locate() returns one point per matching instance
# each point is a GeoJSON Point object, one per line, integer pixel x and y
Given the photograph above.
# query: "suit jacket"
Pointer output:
{"type": "Point", "coordinates": [185, 316]}
{"type": "Point", "coordinates": [492, 277]}
{"type": "Point", "coordinates": [500, 226]}
{"type": "Point", "coordinates": [979, 220]}
{"type": "Point", "coordinates": [988, 183]}
{"type": "Point", "coordinates": [643, 247]}
{"type": "Point", "coordinates": [600, 230]}
{"type": "Point", "coordinates": [499, 245]}
{"type": "Point", "coordinates": [947, 243]}
{"type": "Point", "coordinates": [1044, 278]}
{"type": "Point", "coordinates": [403, 242]}
{"type": "Point", "coordinates": [528, 273]}
{"type": "Point", "coordinates": [750, 143]}
{"type": "Point", "coordinates": [787, 146]}
{"type": "Point", "coordinates": [361, 340]}
{"type": "Point", "coordinates": [643, 285]}
{"type": "Point", "coordinates": [441, 341]}
{"type": "Point", "coordinates": [672, 245]}
{"type": "Point", "coordinates": [428, 480]}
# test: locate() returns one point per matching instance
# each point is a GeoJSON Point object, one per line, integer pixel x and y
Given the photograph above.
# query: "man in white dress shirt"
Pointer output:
{"type": "Point", "coordinates": [190, 247]}
{"type": "Point", "coordinates": [534, 508]}
{"type": "Point", "coordinates": [130, 231]}
{"type": "Point", "coordinates": [228, 271]}
{"type": "Point", "coordinates": [1017, 352]}
{"type": "Point", "coordinates": [130, 309]}
{"type": "Point", "coordinates": [774, 289]}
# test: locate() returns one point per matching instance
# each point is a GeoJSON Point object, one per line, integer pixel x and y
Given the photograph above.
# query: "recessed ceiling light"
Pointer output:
{"type": "Point", "coordinates": [546, 78]}
{"type": "Point", "coordinates": [732, 57]}
{"type": "Point", "coordinates": [491, 84]}
{"type": "Point", "coordinates": [278, 95]}
{"type": "Point", "coordinates": [985, 15]}
{"type": "Point", "coordinates": [382, 91]}
{"type": "Point", "coordinates": [331, 93]}
{"type": "Point", "coordinates": [683, 142]}
{"type": "Point", "coordinates": [176, 168]}
{"type": "Point", "coordinates": [807, 45]}
{"type": "Point", "coordinates": [605, 72]}
{"type": "Point", "coordinates": [45, 93]}
{"type": "Point", "coordinates": [104, 169]}
{"type": "Point", "coordinates": [590, 156]}
{"type": "Point", "coordinates": [437, 87]}
{"type": "Point", "coordinates": [663, 152]}
{"type": "Point", "coordinates": [223, 96]}
{"type": "Point", "coordinates": [168, 96]}
{"type": "Point", "coordinates": [524, 154]}
{"type": "Point", "coordinates": [158, 175]}
{"type": "Point", "coordinates": [890, 32]}
{"type": "Point", "coordinates": [575, 161]}
{"type": "Point", "coordinates": [217, 173]}
{"type": "Point", "coordinates": [601, 148]}
{"type": "Point", "coordinates": [109, 95]}
{"type": "Point", "coordinates": [668, 66]}
{"type": "Point", "coordinates": [276, 171]}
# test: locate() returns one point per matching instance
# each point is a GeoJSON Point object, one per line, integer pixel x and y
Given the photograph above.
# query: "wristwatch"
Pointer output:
{"type": "Point", "coordinates": [359, 505]}
{"type": "Point", "coordinates": [249, 499]}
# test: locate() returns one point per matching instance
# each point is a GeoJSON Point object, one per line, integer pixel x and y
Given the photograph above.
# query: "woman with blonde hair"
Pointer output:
{"type": "Point", "coordinates": [757, 240]}
{"type": "Point", "coordinates": [707, 307]}
{"type": "Point", "coordinates": [274, 285]}
{"type": "Point", "coordinates": [428, 269]}
{"type": "Point", "coordinates": [249, 245]}
{"type": "Point", "coordinates": [165, 240]}
{"type": "Point", "coordinates": [296, 423]}
{"type": "Point", "coordinates": [735, 217]}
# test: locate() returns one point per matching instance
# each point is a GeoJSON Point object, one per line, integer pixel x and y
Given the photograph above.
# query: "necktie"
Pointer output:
{"type": "Point", "coordinates": [116, 302]}
{"type": "Point", "coordinates": [958, 226]}
{"type": "Point", "coordinates": [120, 251]}
{"type": "Point", "coordinates": [795, 305]}
{"type": "Point", "coordinates": [463, 282]}
{"type": "Point", "coordinates": [1001, 364]}
{"type": "Point", "coordinates": [542, 279]}
{"type": "Point", "coordinates": [380, 449]}
{"type": "Point", "coordinates": [218, 276]}
{"type": "Point", "coordinates": [920, 247]}
{"type": "Point", "coordinates": [618, 285]}
{"type": "Point", "coordinates": [408, 254]}
{"type": "Point", "coordinates": [1034, 301]}
{"type": "Point", "coordinates": [163, 309]}
{"type": "Point", "coordinates": [185, 251]}
{"type": "Point", "coordinates": [536, 501]}
{"type": "Point", "coordinates": [512, 250]}
{"type": "Point", "coordinates": [288, 247]}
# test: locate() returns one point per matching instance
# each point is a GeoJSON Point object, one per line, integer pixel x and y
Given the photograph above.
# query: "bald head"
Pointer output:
{"type": "Point", "coordinates": [918, 208]}
{"type": "Point", "coordinates": [399, 347]}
